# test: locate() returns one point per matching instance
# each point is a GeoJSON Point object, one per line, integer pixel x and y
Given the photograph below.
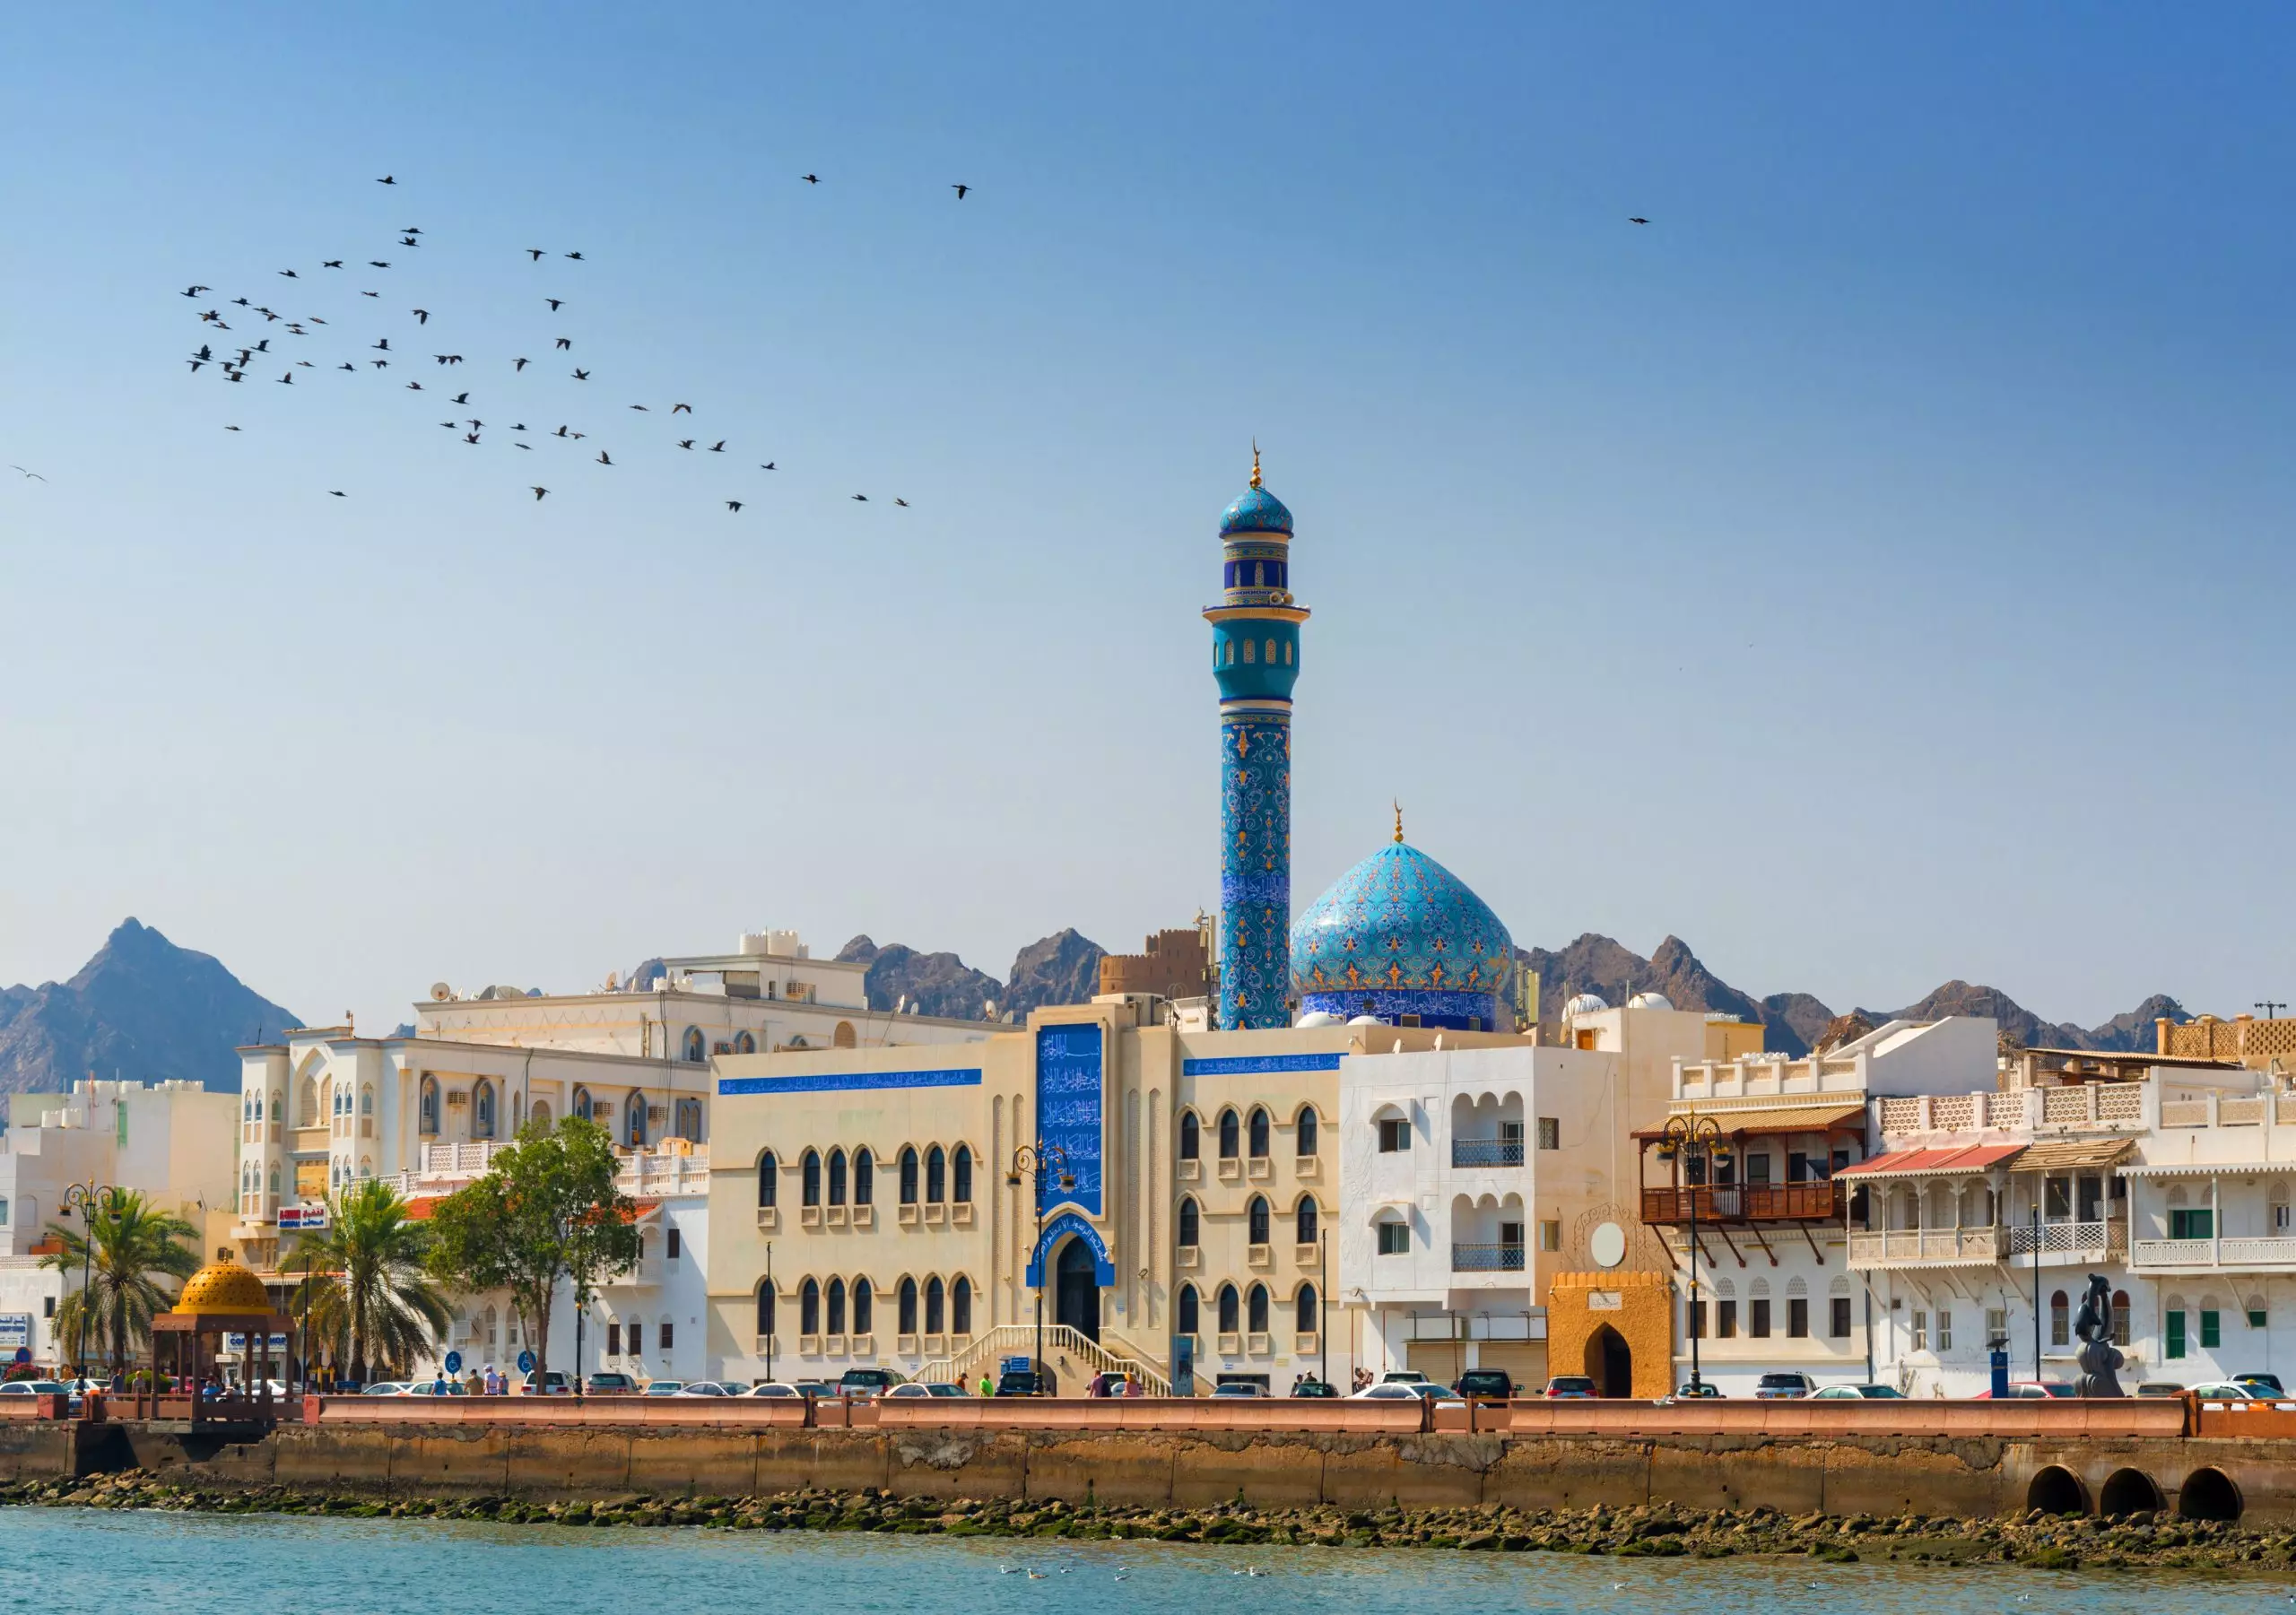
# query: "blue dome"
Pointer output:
{"type": "Point", "coordinates": [1399, 934]}
{"type": "Point", "coordinates": [1258, 511]}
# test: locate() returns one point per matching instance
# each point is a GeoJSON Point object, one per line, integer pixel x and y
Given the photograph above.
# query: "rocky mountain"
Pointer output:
{"type": "Point", "coordinates": [143, 1009]}
{"type": "Point", "coordinates": [1060, 968]}
{"type": "Point", "coordinates": [1794, 1022]}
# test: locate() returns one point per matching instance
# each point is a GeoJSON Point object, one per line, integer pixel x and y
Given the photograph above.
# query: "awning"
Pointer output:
{"type": "Point", "coordinates": [1931, 1163]}
{"type": "Point", "coordinates": [2073, 1155]}
{"type": "Point", "coordinates": [1748, 1123]}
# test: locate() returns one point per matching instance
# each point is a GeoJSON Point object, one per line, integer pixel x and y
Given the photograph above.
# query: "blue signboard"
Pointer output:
{"type": "Point", "coordinates": [15, 1331]}
{"type": "Point", "coordinates": [454, 1363]}
{"type": "Point", "coordinates": [1068, 1113]}
{"type": "Point", "coordinates": [526, 1362]}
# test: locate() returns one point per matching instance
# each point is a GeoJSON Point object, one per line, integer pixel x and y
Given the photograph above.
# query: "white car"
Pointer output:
{"type": "Point", "coordinates": [1393, 1391]}
{"type": "Point", "coordinates": [664, 1387]}
{"type": "Point", "coordinates": [704, 1387]}
{"type": "Point", "coordinates": [35, 1387]}
{"type": "Point", "coordinates": [2227, 1390]}
{"type": "Point", "coordinates": [774, 1387]}
{"type": "Point", "coordinates": [387, 1387]}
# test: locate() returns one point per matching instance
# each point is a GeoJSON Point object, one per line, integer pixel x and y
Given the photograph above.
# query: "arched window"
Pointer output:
{"type": "Point", "coordinates": [935, 1299]}
{"type": "Point", "coordinates": [1303, 1220]}
{"type": "Point", "coordinates": [1186, 1320]}
{"type": "Point", "coordinates": [1231, 652]}
{"type": "Point", "coordinates": [634, 1121]}
{"type": "Point", "coordinates": [1258, 1309]}
{"type": "Point", "coordinates": [2060, 1328]}
{"type": "Point", "coordinates": [842, 1037]}
{"type": "Point", "coordinates": [2121, 1318]}
{"type": "Point", "coordinates": [837, 1177]}
{"type": "Point", "coordinates": [1250, 646]}
{"type": "Point", "coordinates": [690, 1120]}
{"type": "Point", "coordinates": [836, 1306]}
{"type": "Point", "coordinates": [937, 1175]}
{"type": "Point", "coordinates": [745, 1043]}
{"type": "Point", "coordinates": [366, 1101]}
{"type": "Point", "coordinates": [696, 1050]}
{"type": "Point", "coordinates": [864, 1178]}
{"type": "Point", "coordinates": [864, 1307]}
{"type": "Point", "coordinates": [1303, 1131]}
{"type": "Point", "coordinates": [1191, 1136]}
{"type": "Point", "coordinates": [961, 1176]}
{"type": "Point", "coordinates": [274, 1177]}
{"type": "Point", "coordinates": [540, 1116]}
{"type": "Point", "coordinates": [1231, 1135]}
{"type": "Point", "coordinates": [1230, 1309]}
{"type": "Point", "coordinates": [1307, 1315]}
{"type": "Point", "coordinates": [1287, 652]}
{"type": "Point", "coordinates": [579, 1107]}
{"type": "Point", "coordinates": [961, 1306]}
{"type": "Point", "coordinates": [909, 1176]}
{"type": "Point", "coordinates": [769, 1180]}
{"type": "Point", "coordinates": [1191, 1223]}
{"type": "Point", "coordinates": [482, 1109]}
{"type": "Point", "coordinates": [429, 1105]}
{"type": "Point", "coordinates": [1259, 1132]}
{"type": "Point", "coordinates": [809, 1308]}
{"type": "Point", "coordinates": [764, 1308]}
{"type": "Point", "coordinates": [1270, 653]}
{"type": "Point", "coordinates": [905, 1306]}
{"type": "Point", "coordinates": [278, 1108]}
{"type": "Point", "coordinates": [307, 1102]}
{"type": "Point", "coordinates": [1256, 1219]}
{"type": "Point", "coordinates": [809, 1172]}
{"type": "Point", "coordinates": [250, 1105]}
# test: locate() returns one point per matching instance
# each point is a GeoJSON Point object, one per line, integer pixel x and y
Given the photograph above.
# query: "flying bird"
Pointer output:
{"type": "Point", "coordinates": [37, 478]}
{"type": "Point", "coordinates": [861, 499]}
{"type": "Point", "coordinates": [348, 365]}
{"type": "Point", "coordinates": [680, 408]}
{"type": "Point", "coordinates": [230, 428]}
{"type": "Point", "coordinates": [575, 256]}
{"type": "Point", "coordinates": [718, 448]}
{"type": "Point", "coordinates": [195, 291]}
{"type": "Point", "coordinates": [384, 345]}
{"type": "Point", "coordinates": [685, 442]}
{"type": "Point", "coordinates": [535, 253]}
{"type": "Point", "coordinates": [380, 364]}
{"type": "Point", "coordinates": [204, 353]}
{"type": "Point", "coordinates": [337, 492]}
{"type": "Point", "coordinates": [290, 274]}
{"type": "Point", "coordinates": [1637, 221]}
{"type": "Point", "coordinates": [377, 264]}
{"type": "Point", "coordinates": [370, 294]}
{"type": "Point", "coordinates": [960, 190]}
{"type": "Point", "coordinates": [413, 386]}
{"type": "Point", "coordinates": [603, 458]}
{"type": "Point", "coordinates": [461, 398]}
{"type": "Point", "coordinates": [387, 179]}
{"type": "Point", "coordinates": [408, 241]}
{"type": "Point", "coordinates": [560, 432]}
{"type": "Point", "coordinates": [447, 358]}
{"type": "Point", "coordinates": [332, 263]}
{"type": "Point", "coordinates": [903, 503]}
{"type": "Point", "coordinates": [519, 364]}
{"type": "Point", "coordinates": [288, 379]}
{"type": "Point", "coordinates": [810, 178]}
{"type": "Point", "coordinates": [769, 465]}
{"type": "Point", "coordinates": [581, 375]}
{"type": "Point", "coordinates": [423, 316]}
{"type": "Point", "coordinates": [733, 504]}
{"type": "Point", "coordinates": [240, 301]}
{"type": "Point", "coordinates": [564, 343]}
{"type": "Point", "coordinates": [641, 406]}
{"type": "Point", "coordinates": [470, 436]}
{"type": "Point", "coordinates": [555, 303]}
{"type": "Point", "coordinates": [538, 492]}
{"type": "Point", "coordinates": [409, 230]}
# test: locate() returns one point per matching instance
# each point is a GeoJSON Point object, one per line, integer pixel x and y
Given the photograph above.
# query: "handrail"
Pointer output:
{"type": "Point", "coordinates": [1000, 1340]}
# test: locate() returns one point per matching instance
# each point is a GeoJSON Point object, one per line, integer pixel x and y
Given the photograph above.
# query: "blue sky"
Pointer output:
{"type": "Point", "coordinates": [1861, 571]}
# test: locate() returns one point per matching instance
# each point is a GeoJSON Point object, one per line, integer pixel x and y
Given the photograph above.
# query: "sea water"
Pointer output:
{"type": "Point", "coordinates": [61, 1561]}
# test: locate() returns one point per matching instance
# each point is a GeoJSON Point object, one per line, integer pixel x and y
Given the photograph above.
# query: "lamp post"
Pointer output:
{"type": "Point", "coordinates": [1036, 1162]}
{"type": "Point", "coordinates": [1695, 1140]}
{"type": "Point", "coordinates": [91, 1200]}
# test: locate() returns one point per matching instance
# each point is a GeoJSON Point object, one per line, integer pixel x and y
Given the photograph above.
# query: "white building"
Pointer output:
{"type": "Point", "coordinates": [171, 1142]}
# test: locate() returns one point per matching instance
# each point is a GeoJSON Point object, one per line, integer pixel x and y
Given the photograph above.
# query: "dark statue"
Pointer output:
{"type": "Point", "coordinates": [2099, 1358]}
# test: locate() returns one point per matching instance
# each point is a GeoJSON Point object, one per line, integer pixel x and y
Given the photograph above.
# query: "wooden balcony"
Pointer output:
{"type": "Point", "coordinates": [1747, 1202]}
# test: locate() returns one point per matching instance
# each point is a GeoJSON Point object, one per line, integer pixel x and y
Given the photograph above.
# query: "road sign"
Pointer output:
{"type": "Point", "coordinates": [454, 1363]}
{"type": "Point", "coordinates": [23, 1354]}
{"type": "Point", "coordinates": [526, 1362]}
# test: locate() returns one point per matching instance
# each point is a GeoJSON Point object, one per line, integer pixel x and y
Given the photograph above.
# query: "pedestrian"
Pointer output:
{"type": "Point", "coordinates": [439, 1383]}
{"type": "Point", "coordinates": [988, 1385]}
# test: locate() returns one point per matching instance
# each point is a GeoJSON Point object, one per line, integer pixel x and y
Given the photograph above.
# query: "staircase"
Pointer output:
{"type": "Point", "coordinates": [1071, 1355]}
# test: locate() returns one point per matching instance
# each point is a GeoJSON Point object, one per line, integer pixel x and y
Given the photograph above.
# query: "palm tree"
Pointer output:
{"type": "Point", "coordinates": [364, 1289]}
{"type": "Point", "coordinates": [133, 1243]}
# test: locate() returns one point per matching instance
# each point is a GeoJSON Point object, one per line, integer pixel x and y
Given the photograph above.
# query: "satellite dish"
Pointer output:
{"type": "Point", "coordinates": [1608, 1245]}
{"type": "Point", "coordinates": [440, 993]}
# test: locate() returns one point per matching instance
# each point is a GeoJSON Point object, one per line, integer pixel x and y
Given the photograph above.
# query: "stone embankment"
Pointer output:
{"type": "Point", "coordinates": [1653, 1531]}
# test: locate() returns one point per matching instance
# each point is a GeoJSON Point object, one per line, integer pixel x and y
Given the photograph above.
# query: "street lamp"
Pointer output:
{"type": "Point", "coordinates": [1697, 1140]}
{"type": "Point", "coordinates": [1037, 1161]}
{"type": "Point", "coordinates": [91, 1199]}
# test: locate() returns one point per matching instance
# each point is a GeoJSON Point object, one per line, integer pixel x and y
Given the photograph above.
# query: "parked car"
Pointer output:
{"type": "Point", "coordinates": [2230, 1390]}
{"type": "Point", "coordinates": [867, 1382]}
{"type": "Point", "coordinates": [431, 1388]}
{"type": "Point", "coordinates": [1577, 1387]}
{"type": "Point", "coordinates": [1026, 1382]}
{"type": "Point", "coordinates": [1859, 1393]}
{"type": "Point", "coordinates": [2268, 1383]}
{"type": "Point", "coordinates": [611, 1384]}
{"type": "Point", "coordinates": [704, 1387]}
{"type": "Point", "coordinates": [664, 1387]}
{"type": "Point", "coordinates": [1402, 1376]}
{"type": "Point", "coordinates": [2160, 1387]}
{"type": "Point", "coordinates": [1316, 1389]}
{"type": "Point", "coordinates": [1783, 1385]}
{"type": "Point", "coordinates": [774, 1387]}
{"type": "Point", "coordinates": [815, 1389]}
{"type": "Point", "coordinates": [1703, 1391]}
{"type": "Point", "coordinates": [1239, 1387]}
{"type": "Point", "coordinates": [34, 1387]}
{"type": "Point", "coordinates": [1486, 1385]}
{"type": "Point", "coordinates": [386, 1387]}
{"type": "Point", "coordinates": [2027, 1389]}
{"type": "Point", "coordinates": [1386, 1393]}
{"type": "Point", "coordinates": [555, 1384]}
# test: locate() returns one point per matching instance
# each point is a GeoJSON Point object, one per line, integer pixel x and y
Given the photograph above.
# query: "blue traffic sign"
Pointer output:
{"type": "Point", "coordinates": [454, 1363]}
{"type": "Point", "coordinates": [23, 1354]}
{"type": "Point", "coordinates": [526, 1362]}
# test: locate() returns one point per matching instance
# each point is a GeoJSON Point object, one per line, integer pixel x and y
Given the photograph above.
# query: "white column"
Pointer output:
{"type": "Point", "coordinates": [2216, 1207]}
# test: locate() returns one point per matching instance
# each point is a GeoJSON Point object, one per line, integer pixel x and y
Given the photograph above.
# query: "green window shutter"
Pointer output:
{"type": "Point", "coordinates": [2176, 1334]}
{"type": "Point", "coordinates": [2212, 1334]}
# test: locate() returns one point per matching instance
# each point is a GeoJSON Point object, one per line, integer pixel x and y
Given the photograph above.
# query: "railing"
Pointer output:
{"type": "Point", "coordinates": [2086, 1238]}
{"type": "Point", "coordinates": [1019, 1340]}
{"type": "Point", "coordinates": [1486, 1153]}
{"type": "Point", "coordinates": [458, 1161]}
{"type": "Point", "coordinates": [2184, 1113]}
{"type": "Point", "coordinates": [2239, 1112]}
{"type": "Point", "coordinates": [1486, 1258]}
{"type": "Point", "coordinates": [1746, 1202]}
{"type": "Point", "coordinates": [2118, 1106]}
{"type": "Point", "coordinates": [2233, 1253]}
{"type": "Point", "coordinates": [1914, 1247]}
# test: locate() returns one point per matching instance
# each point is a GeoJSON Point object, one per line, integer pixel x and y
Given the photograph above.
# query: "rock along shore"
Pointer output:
{"type": "Point", "coordinates": [1654, 1530]}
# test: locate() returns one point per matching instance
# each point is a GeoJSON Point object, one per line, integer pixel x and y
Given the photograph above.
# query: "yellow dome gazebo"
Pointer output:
{"type": "Point", "coordinates": [222, 1298]}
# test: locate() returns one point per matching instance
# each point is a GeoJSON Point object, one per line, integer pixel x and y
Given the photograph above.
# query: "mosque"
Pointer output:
{"type": "Point", "coordinates": [1110, 1179]}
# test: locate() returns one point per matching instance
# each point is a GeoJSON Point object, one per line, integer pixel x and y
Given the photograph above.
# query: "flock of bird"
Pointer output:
{"type": "Point", "coordinates": [248, 354]}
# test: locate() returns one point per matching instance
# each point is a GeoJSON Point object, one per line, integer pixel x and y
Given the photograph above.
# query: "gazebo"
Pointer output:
{"type": "Point", "coordinates": [221, 1298]}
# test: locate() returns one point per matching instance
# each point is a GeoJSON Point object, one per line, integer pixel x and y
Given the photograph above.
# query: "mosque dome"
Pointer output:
{"type": "Point", "coordinates": [1317, 1017]}
{"type": "Point", "coordinates": [224, 1288]}
{"type": "Point", "coordinates": [1649, 1000]}
{"type": "Point", "coordinates": [1399, 935]}
{"type": "Point", "coordinates": [1258, 511]}
{"type": "Point", "coordinates": [1586, 1003]}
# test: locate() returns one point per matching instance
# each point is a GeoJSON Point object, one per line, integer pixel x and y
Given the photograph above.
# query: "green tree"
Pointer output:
{"type": "Point", "coordinates": [126, 1245]}
{"type": "Point", "coordinates": [365, 1289]}
{"type": "Point", "coordinates": [545, 1214]}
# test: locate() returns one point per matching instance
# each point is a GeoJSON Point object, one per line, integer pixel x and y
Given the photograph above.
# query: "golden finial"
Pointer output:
{"type": "Point", "coordinates": [1398, 823]}
{"type": "Point", "coordinates": [1255, 461]}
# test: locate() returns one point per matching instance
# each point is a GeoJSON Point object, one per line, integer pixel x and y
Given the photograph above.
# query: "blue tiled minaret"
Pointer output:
{"type": "Point", "coordinates": [1256, 656]}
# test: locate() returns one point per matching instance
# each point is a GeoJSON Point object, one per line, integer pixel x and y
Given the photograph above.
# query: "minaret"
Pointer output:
{"type": "Point", "coordinates": [1256, 656]}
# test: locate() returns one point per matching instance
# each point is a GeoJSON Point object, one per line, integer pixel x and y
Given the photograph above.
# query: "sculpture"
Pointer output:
{"type": "Point", "coordinates": [2099, 1358]}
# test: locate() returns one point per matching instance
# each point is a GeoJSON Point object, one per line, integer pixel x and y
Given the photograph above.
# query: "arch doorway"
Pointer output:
{"type": "Point", "coordinates": [1076, 1290]}
{"type": "Point", "coordinates": [1610, 1362]}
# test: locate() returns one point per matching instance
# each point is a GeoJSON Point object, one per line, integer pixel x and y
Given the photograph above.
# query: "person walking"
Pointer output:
{"type": "Point", "coordinates": [988, 1385]}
